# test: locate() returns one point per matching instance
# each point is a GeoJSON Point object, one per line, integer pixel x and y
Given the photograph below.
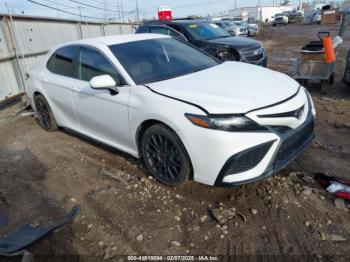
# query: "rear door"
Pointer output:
{"type": "Point", "coordinates": [59, 82]}
{"type": "Point", "coordinates": [102, 115]}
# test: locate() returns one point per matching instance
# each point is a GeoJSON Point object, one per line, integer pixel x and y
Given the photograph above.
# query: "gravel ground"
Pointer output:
{"type": "Point", "coordinates": [44, 174]}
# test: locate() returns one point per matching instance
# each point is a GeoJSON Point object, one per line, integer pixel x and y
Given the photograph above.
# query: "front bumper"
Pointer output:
{"type": "Point", "coordinates": [291, 146]}
{"type": "Point", "coordinates": [250, 57]}
{"type": "Point", "coordinates": [212, 150]}
{"type": "Point", "coordinates": [252, 32]}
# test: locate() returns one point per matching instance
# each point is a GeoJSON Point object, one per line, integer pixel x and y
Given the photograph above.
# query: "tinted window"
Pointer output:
{"type": "Point", "coordinates": [164, 31]}
{"type": "Point", "coordinates": [206, 31]}
{"type": "Point", "coordinates": [180, 29]}
{"type": "Point", "coordinates": [142, 29]}
{"type": "Point", "coordinates": [92, 63]}
{"type": "Point", "coordinates": [159, 30]}
{"type": "Point", "coordinates": [154, 60]}
{"type": "Point", "coordinates": [62, 62]}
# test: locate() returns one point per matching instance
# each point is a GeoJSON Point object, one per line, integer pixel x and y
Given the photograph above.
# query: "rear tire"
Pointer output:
{"type": "Point", "coordinates": [46, 118]}
{"type": "Point", "coordinates": [165, 156]}
{"type": "Point", "coordinates": [331, 79]}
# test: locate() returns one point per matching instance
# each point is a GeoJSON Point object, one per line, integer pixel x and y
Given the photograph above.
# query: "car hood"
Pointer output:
{"type": "Point", "coordinates": [229, 88]}
{"type": "Point", "coordinates": [237, 42]}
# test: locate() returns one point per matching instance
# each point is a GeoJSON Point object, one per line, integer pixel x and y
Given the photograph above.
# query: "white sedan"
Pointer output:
{"type": "Point", "coordinates": [187, 115]}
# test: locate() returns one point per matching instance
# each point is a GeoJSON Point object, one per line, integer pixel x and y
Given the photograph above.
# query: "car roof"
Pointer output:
{"type": "Point", "coordinates": [185, 22]}
{"type": "Point", "coordinates": [118, 39]}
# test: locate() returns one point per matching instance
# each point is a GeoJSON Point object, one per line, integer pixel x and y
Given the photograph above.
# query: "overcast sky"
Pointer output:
{"type": "Point", "coordinates": [147, 7]}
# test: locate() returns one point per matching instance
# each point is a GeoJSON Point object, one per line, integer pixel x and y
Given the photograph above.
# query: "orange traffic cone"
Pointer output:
{"type": "Point", "coordinates": [329, 49]}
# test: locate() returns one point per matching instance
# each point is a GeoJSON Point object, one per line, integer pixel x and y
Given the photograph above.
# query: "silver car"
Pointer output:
{"type": "Point", "coordinates": [253, 29]}
{"type": "Point", "coordinates": [232, 28]}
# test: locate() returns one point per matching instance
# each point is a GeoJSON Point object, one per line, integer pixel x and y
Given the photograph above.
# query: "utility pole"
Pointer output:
{"type": "Point", "coordinates": [58, 11]}
{"type": "Point", "coordinates": [137, 11]}
{"type": "Point", "coordinates": [105, 11]}
{"type": "Point", "coordinates": [121, 6]}
{"type": "Point", "coordinates": [118, 10]}
{"type": "Point", "coordinates": [80, 12]}
{"type": "Point", "coordinates": [235, 4]}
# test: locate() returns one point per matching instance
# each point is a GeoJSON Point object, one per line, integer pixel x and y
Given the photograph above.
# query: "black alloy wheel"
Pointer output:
{"type": "Point", "coordinates": [46, 119]}
{"type": "Point", "coordinates": [165, 156]}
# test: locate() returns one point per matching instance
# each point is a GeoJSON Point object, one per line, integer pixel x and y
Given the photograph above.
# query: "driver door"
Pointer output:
{"type": "Point", "coordinates": [102, 115]}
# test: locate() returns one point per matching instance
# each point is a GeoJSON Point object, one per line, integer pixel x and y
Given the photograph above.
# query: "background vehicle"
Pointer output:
{"type": "Point", "coordinates": [225, 18]}
{"type": "Point", "coordinates": [210, 38]}
{"type": "Point", "coordinates": [253, 29]}
{"type": "Point", "coordinates": [232, 28]}
{"type": "Point", "coordinates": [280, 19]}
{"type": "Point", "coordinates": [118, 90]}
{"type": "Point", "coordinates": [316, 18]}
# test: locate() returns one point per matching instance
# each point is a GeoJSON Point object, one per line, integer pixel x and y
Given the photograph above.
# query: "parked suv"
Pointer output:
{"type": "Point", "coordinates": [280, 19]}
{"type": "Point", "coordinates": [210, 38]}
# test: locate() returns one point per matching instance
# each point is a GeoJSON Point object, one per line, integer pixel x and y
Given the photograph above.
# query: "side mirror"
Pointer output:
{"type": "Point", "coordinates": [104, 82]}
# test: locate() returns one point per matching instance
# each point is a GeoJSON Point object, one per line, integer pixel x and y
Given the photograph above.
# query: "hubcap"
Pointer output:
{"type": "Point", "coordinates": [43, 112]}
{"type": "Point", "coordinates": [163, 157]}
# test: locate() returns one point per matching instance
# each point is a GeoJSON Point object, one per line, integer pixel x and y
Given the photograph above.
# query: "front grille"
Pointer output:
{"type": "Point", "coordinates": [293, 143]}
{"type": "Point", "coordinates": [253, 55]}
{"type": "Point", "coordinates": [295, 113]}
{"type": "Point", "coordinates": [246, 159]}
{"type": "Point", "coordinates": [281, 129]}
{"type": "Point", "coordinates": [253, 58]}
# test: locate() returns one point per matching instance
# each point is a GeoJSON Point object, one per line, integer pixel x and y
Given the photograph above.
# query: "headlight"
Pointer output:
{"type": "Point", "coordinates": [224, 54]}
{"type": "Point", "coordinates": [226, 123]}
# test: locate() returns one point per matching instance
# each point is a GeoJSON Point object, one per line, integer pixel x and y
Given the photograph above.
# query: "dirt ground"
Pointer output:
{"type": "Point", "coordinates": [42, 175]}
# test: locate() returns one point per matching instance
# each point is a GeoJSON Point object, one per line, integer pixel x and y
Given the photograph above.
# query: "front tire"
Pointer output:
{"type": "Point", "coordinates": [165, 156]}
{"type": "Point", "coordinates": [46, 118]}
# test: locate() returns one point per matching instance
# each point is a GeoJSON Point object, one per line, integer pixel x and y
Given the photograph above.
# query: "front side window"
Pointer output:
{"type": "Point", "coordinates": [62, 62]}
{"type": "Point", "coordinates": [155, 60]}
{"type": "Point", "coordinates": [92, 63]}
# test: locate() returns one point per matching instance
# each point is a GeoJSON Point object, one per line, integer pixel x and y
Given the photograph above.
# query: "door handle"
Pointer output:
{"type": "Point", "coordinates": [77, 89]}
{"type": "Point", "coordinates": [46, 81]}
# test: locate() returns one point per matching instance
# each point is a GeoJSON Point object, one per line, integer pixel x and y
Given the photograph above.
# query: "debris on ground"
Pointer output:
{"type": "Point", "coordinates": [337, 186]}
{"type": "Point", "coordinates": [116, 177]}
{"type": "Point", "coordinates": [27, 234]}
{"type": "Point", "coordinates": [28, 113]}
{"type": "Point", "coordinates": [341, 204]}
{"type": "Point", "coordinates": [222, 214]}
{"type": "Point", "coordinates": [334, 237]}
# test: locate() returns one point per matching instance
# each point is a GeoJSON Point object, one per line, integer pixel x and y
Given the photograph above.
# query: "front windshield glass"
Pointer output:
{"type": "Point", "coordinates": [155, 60]}
{"type": "Point", "coordinates": [228, 23]}
{"type": "Point", "coordinates": [206, 31]}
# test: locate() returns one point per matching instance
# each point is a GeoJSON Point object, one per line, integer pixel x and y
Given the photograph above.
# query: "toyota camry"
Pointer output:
{"type": "Point", "coordinates": [184, 113]}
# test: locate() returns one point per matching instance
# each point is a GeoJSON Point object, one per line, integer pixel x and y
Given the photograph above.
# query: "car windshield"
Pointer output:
{"type": "Point", "coordinates": [154, 60]}
{"type": "Point", "coordinates": [228, 23]}
{"type": "Point", "coordinates": [206, 31]}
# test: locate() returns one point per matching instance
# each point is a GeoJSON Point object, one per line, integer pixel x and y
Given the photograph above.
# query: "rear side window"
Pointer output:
{"type": "Point", "coordinates": [92, 63]}
{"type": "Point", "coordinates": [63, 61]}
{"type": "Point", "coordinates": [142, 29]}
